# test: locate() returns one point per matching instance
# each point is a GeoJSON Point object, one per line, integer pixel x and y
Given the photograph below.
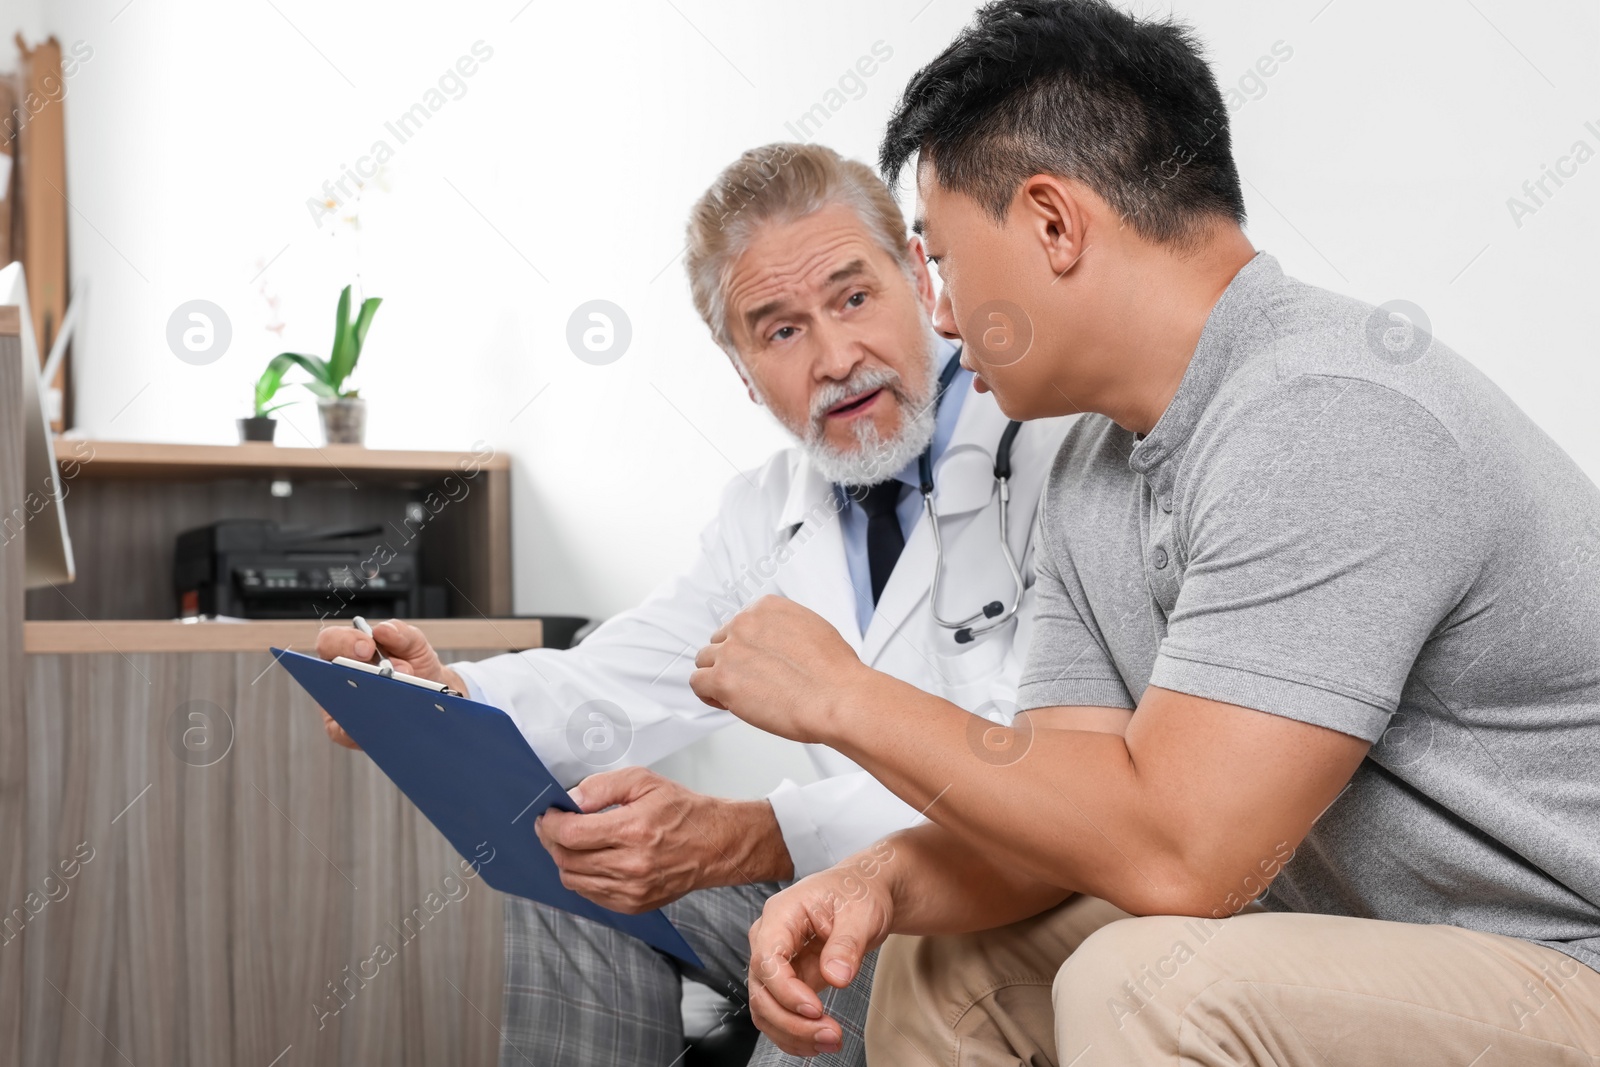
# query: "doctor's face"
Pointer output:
{"type": "Point", "coordinates": [835, 337]}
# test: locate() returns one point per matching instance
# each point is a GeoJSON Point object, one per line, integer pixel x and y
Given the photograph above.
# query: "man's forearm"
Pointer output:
{"type": "Point", "coordinates": [1070, 811]}
{"type": "Point", "coordinates": [942, 885]}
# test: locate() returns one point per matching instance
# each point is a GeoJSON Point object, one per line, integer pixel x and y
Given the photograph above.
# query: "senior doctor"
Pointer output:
{"type": "Point", "coordinates": [800, 264]}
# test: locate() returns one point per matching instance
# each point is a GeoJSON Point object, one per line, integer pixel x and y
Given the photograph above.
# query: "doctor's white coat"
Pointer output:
{"type": "Point", "coordinates": [622, 697]}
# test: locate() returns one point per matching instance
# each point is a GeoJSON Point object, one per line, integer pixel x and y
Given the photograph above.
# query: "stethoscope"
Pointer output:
{"type": "Point", "coordinates": [994, 614]}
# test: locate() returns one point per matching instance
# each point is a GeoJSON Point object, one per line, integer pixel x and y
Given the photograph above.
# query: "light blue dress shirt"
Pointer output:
{"type": "Point", "coordinates": [853, 519]}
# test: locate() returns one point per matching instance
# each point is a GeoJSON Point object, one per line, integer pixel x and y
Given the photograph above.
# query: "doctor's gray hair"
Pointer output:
{"type": "Point", "coordinates": [779, 183]}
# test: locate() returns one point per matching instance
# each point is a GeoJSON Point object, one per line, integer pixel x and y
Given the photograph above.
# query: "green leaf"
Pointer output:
{"type": "Point", "coordinates": [267, 385]}
{"type": "Point", "coordinates": [341, 359]}
{"type": "Point", "coordinates": [358, 332]}
{"type": "Point", "coordinates": [320, 383]}
{"type": "Point", "coordinates": [264, 412]}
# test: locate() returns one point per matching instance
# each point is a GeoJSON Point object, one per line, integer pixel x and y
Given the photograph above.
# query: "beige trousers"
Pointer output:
{"type": "Point", "coordinates": [1086, 985]}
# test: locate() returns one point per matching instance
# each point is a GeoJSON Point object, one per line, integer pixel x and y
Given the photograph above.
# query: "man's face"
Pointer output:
{"type": "Point", "coordinates": [1012, 313]}
{"type": "Point", "coordinates": [835, 338]}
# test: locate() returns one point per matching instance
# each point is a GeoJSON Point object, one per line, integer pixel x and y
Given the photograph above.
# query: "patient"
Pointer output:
{"type": "Point", "coordinates": [1342, 591]}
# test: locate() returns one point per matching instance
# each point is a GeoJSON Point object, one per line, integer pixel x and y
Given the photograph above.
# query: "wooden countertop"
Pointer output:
{"type": "Point", "coordinates": [139, 459]}
{"type": "Point", "coordinates": [300, 635]}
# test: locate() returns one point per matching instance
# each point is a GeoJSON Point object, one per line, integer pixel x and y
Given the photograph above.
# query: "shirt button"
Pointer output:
{"type": "Point", "coordinates": [1166, 504]}
{"type": "Point", "coordinates": [1159, 557]}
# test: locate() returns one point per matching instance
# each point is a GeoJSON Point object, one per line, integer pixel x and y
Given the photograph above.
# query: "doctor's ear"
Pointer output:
{"type": "Point", "coordinates": [750, 390]}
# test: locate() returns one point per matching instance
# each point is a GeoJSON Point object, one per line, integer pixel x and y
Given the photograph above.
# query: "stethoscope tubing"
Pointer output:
{"type": "Point", "coordinates": [995, 612]}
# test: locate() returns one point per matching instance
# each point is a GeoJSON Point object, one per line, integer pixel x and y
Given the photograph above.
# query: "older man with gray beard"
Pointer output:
{"type": "Point", "coordinates": [801, 266]}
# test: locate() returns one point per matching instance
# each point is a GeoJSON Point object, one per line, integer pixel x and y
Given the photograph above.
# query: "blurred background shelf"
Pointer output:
{"type": "Point", "coordinates": [154, 460]}
{"type": "Point", "coordinates": [127, 502]}
{"type": "Point", "coordinates": [257, 635]}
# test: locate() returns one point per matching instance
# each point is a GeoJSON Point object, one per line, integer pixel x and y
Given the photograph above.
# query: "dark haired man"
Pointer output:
{"type": "Point", "coordinates": [1340, 592]}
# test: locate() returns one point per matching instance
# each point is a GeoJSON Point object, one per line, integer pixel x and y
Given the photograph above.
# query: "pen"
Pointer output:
{"type": "Point", "coordinates": [385, 668]}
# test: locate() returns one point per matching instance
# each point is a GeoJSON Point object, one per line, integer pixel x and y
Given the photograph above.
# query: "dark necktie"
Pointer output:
{"type": "Point", "coordinates": [884, 537]}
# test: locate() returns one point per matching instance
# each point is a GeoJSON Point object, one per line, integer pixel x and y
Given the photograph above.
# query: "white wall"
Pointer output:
{"type": "Point", "coordinates": [26, 17]}
{"type": "Point", "coordinates": [1379, 157]}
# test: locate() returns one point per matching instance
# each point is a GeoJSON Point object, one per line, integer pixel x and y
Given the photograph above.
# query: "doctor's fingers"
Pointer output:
{"type": "Point", "coordinates": [629, 896]}
{"type": "Point", "coordinates": [621, 866]}
{"type": "Point", "coordinates": [343, 641]}
{"type": "Point", "coordinates": [586, 833]}
{"type": "Point", "coordinates": [348, 641]}
{"type": "Point", "coordinates": [398, 638]}
{"type": "Point", "coordinates": [336, 732]}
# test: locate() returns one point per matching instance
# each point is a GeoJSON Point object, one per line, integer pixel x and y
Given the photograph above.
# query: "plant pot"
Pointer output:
{"type": "Point", "coordinates": [257, 428]}
{"type": "Point", "coordinates": [344, 420]}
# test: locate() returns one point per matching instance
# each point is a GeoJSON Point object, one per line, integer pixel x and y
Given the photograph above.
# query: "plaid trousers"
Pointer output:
{"type": "Point", "coordinates": [580, 994]}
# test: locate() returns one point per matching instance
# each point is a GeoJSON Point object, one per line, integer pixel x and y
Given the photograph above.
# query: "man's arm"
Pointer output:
{"type": "Point", "coordinates": [1193, 811]}
{"type": "Point", "coordinates": [1323, 555]}
{"type": "Point", "coordinates": [817, 932]}
{"type": "Point", "coordinates": [1190, 812]}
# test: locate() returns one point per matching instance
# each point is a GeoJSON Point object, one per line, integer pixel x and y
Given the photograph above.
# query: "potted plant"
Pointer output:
{"type": "Point", "coordinates": [343, 412]}
{"type": "Point", "coordinates": [262, 426]}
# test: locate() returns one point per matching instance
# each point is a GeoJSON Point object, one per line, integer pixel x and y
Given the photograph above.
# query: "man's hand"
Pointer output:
{"type": "Point", "coordinates": [812, 935]}
{"type": "Point", "coordinates": [408, 650]}
{"type": "Point", "coordinates": [780, 667]}
{"type": "Point", "coordinates": [660, 841]}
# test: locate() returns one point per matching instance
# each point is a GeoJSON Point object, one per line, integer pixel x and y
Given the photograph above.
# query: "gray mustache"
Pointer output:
{"type": "Point", "coordinates": [863, 381]}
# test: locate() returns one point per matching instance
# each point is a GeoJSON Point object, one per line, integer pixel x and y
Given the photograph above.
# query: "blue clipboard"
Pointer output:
{"type": "Point", "coordinates": [467, 767]}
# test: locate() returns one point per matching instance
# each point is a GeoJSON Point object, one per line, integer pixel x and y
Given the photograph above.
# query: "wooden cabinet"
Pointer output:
{"type": "Point", "coordinates": [190, 872]}
{"type": "Point", "coordinates": [126, 503]}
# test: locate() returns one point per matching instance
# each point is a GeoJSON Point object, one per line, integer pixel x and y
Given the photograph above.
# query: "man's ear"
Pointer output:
{"type": "Point", "coordinates": [1053, 210]}
{"type": "Point", "coordinates": [920, 273]}
{"type": "Point", "coordinates": [738, 366]}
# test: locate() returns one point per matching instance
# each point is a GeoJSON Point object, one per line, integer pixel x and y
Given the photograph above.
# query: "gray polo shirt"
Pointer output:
{"type": "Point", "coordinates": [1371, 538]}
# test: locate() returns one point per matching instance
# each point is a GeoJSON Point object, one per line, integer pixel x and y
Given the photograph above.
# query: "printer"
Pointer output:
{"type": "Point", "coordinates": [257, 569]}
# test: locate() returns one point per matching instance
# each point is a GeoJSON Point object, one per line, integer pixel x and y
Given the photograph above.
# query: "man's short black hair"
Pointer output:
{"type": "Point", "coordinates": [1082, 90]}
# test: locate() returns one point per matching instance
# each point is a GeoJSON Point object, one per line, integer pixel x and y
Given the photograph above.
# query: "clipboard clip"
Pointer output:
{"type": "Point", "coordinates": [390, 672]}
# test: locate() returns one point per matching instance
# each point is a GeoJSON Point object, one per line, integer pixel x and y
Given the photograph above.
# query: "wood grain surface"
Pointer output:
{"type": "Point", "coordinates": [257, 635]}
{"type": "Point", "coordinates": [145, 459]}
{"type": "Point", "coordinates": [241, 890]}
{"type": "Point", "coordinates": [13, 730]}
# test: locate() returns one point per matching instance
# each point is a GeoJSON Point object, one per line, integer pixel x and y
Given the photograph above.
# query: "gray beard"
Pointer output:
{"type": "Point", "coordinates": [874, 459]}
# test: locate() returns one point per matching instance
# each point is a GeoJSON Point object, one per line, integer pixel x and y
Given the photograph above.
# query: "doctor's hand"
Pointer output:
{"type": "Point", "coordinates": [659, 842]}
{"type": "Point", "coordinates": [780, 667]}
{"type": "Point", "coordinates": [408, 650]}
{"type": "Point", "coordinates": [813, 935]}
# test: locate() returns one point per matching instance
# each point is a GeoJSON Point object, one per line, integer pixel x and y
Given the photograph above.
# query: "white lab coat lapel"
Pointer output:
{"type": "Point", "coordinates": [815, 574]}
{"type": "Point", "coordinates": [963, 483]}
